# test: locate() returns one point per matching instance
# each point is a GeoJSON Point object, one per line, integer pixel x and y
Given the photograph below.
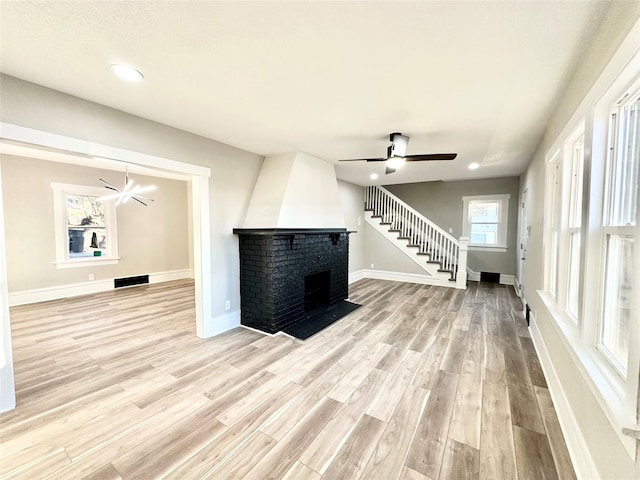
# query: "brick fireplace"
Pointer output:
{"type": "Point", "coordinates": [290, 275]}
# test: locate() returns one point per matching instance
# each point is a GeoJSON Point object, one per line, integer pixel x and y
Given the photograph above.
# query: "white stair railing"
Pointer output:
{"type": "Point", "coordinates": [430, 239]}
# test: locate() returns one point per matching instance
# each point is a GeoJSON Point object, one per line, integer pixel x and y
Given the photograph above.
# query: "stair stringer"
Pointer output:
{"type": "Point", "coordinates": [432, 275]}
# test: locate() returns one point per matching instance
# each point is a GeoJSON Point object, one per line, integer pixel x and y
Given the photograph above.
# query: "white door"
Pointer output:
{"type": "Point", "coordinates": [524, 237]}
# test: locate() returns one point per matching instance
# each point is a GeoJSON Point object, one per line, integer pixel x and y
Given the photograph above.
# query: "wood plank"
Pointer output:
{"type": "Point", "coordinates": [325, 446]}
{"type": "Point", "coordinates": [558, 446]}
{"type": "Point", "coordinates": [460, 462]}
{"type": "Point", "coordinates": [282, 457]}
{"type": "Point", "coordinates": [248, 454]}
{"type": "Point", "coordinates": [533, 455]}
{"type": "Point", "coordinates": [300, 471]}
{"type": "Point", "coordinates": [393, 390]}
{"type": "Point", "coordinates": [389, 455]}
{"type": "Point", "coordinates": [497, 453]}
{"type": "Point", "coordinates": [427, 448]}
{"type": "Point", "coordinates": [466, 416]}
{"type": "Point", "coordinates": [524, 408]}
{"type": "Point", "coordinates": [351, 459]}
{"type": "Point", "coordinates": [533, 362]}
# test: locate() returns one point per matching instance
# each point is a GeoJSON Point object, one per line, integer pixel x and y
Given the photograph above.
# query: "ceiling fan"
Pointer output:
{"type": "Point", "coordinates": [396, 154]}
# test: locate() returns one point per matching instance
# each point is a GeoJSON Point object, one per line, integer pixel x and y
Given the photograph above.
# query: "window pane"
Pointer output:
{"type": "Point", "coordinates": [574, 274]}
{"type": "Point", "coordinates": [575, 210]}
{"type": "Point", "coordinates": [86, 227]}
{"type": "Point", "coordinates": [614, 334]}
{"type": "Point", "coordinates": [84, 210]}
{"type": "Point", "coordinates": [625, 151]}
{"type": "Point", "coordinates": [484, 233]}
{"type": "Point", "coordinates": [480, 212]}
{"type": "Point", "coordinates": [553, 263]}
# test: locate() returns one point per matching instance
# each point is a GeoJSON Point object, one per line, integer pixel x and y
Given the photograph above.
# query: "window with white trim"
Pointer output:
{"type": "Point", "coordinates": [485, 221]}
{"type": "Point", "coordinates": [574, 225]}
{"type": "Point", "coordinates": [554, 225]}
{"type": "Point", "coordinates": [591, 290]}
{"type": "Point", "coordinates": [620, 220]}
{"type": "Point", "coordinates": [85, 227]}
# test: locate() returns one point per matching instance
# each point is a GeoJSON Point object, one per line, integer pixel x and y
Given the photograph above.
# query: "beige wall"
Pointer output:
{"type": "Point", "coordinates": [604, 446]}
{"type": "Point", "coordinates": [150, 239]}
{"type": "Point", "coordinates": [441, 202]}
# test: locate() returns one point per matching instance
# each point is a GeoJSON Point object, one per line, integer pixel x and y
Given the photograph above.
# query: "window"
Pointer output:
{"type": "Point", "coordinates": [85, 227]}
{"type": "Point", "coordinates": [554, 226]}
{"type": "Point", "coordinates": [620, 217]}
{"type": "Point", "coordinates": [574, 226]}
{"type": "Point", "coordinates": [485, 220]}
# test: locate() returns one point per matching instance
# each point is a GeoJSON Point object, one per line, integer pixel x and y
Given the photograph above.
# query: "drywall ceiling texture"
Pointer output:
{"type": "Point", "coordinates": [152, 239]}
{"type": "Point", "coordinates": [441, 202]}
{"type": "Point", "coordinates": [332, 79]}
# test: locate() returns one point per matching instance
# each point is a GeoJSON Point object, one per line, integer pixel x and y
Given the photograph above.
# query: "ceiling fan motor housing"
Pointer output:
{"type": "Point", "coordinates": [398, 147]}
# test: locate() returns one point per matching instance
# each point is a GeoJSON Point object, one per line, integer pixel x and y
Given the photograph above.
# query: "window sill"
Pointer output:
{"type": "Point", "coordinates": [87, 262]}
{"type": "Point", "coordinates": [488, 248]}
{"type": "Point", "coordinates": [607, 386]}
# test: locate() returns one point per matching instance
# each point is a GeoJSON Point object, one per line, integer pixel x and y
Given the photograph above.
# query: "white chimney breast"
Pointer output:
{"type": "Point", "coordinates": [295, 190]}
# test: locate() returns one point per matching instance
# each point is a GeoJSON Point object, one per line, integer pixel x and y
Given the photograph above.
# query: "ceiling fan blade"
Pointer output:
{"type": "Point", "coordinates": [388, 170]}
{"type": "Point", "coordinates": [364, 160]}
{"type": "Point", "coordinates": [430, 156]}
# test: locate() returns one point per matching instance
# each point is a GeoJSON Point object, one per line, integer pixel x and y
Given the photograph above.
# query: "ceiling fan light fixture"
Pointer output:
{"type": "Point", "coordinates": [127, 73]}
{"type": "Point", "coordinates": [473, 166]}
{"type": "Point", "coordinates": [395, 162]}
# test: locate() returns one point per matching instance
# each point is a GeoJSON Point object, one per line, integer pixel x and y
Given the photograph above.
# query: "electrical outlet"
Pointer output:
{"type": "Point", "coordinates": [372, 266]}
{"type": "Point", "coordinates": [450, 230]}
{"type": "Point", "coordinates": [92, 276]}
{"type": "Point", "coordinates": [359, 220]}
{"type": "Point", "coordinates": [227, 305]}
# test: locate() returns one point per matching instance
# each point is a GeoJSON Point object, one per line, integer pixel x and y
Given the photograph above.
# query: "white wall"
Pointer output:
{"type": "Point", "coordinates": [295, 190]}
{"type": "Point", "coordinates": [352, 201]}
{"type": "Point", "coordinates": [577, 404]}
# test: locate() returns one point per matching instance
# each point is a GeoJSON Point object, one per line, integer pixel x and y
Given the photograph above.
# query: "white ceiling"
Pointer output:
{"type": "Point", "coordinates": [332, 79]}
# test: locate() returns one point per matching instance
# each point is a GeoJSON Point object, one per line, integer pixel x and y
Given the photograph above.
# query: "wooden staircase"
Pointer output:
{"type": "Point", "coordinates": [442, 257]}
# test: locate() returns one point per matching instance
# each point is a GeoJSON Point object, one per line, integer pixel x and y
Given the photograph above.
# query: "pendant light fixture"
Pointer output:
{"type": "Point", "coordinates": [129, 191]}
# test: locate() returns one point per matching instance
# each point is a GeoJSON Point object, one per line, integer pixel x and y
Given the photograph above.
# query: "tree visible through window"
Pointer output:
{"type": "Point", "coordinates": [86, 226]}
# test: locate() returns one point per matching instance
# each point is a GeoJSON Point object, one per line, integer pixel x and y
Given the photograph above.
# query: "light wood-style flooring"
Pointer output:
{"type": "Point", "coordinates": [420, 383]}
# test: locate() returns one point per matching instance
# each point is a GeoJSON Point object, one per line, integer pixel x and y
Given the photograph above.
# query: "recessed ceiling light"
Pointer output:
{"type": "Point", "coordinates": [127, 73]}
{"type": "Point", "coordinates": [473, 166]}
{"type": "Point", "coordinates": [374, 176]}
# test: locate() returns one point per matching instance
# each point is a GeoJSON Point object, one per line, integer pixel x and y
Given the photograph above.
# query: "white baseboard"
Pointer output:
{"type": "Point", "coordinates": [221, 324]}
{"type": "Point", "coordinates": [402, 277]}
{"type": "Point", "coordinates": [505, 279]}
{"type": "Point", "coordinates": [582, 460]}
{"type": "Point", "coordinates": [85, 288]}
{"type": "Point", "coordinates": [355, 276]}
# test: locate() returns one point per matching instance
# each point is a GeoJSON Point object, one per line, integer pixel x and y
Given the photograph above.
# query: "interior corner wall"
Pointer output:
{"type": "Point", "coordinates": [352, 201]}
{"type": "Point", "coordinates": [152, 239]}
{"type": "Point", "coordinates": [602, 443]}
{"type": "Point", "coordinates": [441, 202]}
{"type": "Point", "coordinates": [233, 171]}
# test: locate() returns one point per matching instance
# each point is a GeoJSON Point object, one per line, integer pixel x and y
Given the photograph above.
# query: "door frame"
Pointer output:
{"type": "Point", "coordinates": [199, 178]}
